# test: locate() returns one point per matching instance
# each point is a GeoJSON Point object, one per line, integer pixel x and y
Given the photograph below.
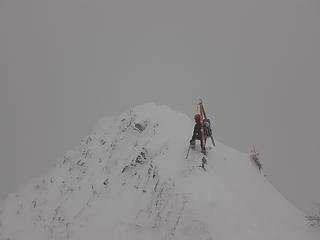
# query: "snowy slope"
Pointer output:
{"type": "Point", "coordinates": [129, 180]}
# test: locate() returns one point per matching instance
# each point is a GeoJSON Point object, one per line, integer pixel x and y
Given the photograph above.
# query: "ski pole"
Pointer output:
{"type": "Point", "coordinates": [188, 151]}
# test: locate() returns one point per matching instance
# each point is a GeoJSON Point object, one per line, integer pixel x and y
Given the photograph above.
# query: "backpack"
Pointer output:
{"type": "Point", "coordinates": [207, 127]}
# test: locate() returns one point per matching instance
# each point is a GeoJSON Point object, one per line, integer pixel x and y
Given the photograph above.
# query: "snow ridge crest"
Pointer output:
{"type": "Point", "coordinates": [129, 179]}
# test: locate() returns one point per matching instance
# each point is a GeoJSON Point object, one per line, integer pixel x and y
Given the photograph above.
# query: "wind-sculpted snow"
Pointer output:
{"type": "Point", "coordinates": [129, 180]}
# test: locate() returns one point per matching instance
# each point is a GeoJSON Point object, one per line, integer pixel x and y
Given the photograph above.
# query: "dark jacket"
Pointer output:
{"type": "Point", "coordinates": [197, 131]}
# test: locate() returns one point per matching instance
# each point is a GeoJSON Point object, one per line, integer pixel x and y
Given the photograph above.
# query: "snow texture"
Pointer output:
{"type": "Point", "coordinates": [129, 180]}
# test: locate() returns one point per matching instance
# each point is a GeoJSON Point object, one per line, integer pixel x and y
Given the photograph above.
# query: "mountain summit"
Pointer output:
{"type": "Point", "coordinates": [129, 180]}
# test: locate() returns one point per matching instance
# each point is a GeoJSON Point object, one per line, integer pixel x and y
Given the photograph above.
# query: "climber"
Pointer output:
{"type": "Point", "coordinates": [198, 134]}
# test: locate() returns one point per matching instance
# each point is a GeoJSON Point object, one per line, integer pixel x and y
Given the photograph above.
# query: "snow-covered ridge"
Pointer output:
{"type": "Point", "coordinates": [129, 179]}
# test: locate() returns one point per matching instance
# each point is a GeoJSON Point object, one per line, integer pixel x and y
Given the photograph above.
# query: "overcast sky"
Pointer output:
{"type": "Point", "coordinates": [64, 64]}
